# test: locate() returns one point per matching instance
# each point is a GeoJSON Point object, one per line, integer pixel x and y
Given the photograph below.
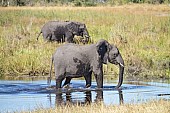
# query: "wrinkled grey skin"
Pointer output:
{"type": "Point", "coordinates": [72, 61]}
{"type": "Point", "coordinates": [64, 31]}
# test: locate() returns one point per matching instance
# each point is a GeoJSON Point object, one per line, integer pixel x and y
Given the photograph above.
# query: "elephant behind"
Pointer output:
{"type": "Point", "coordinates": [64, 31]}
{"type": "Point", "coordinates": [72, 61]}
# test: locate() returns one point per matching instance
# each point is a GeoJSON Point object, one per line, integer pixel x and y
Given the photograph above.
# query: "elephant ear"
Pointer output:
{"type": "Point", "coordinates": [82, 26]}
{"type": "Point", "coordinates": [73, 28]}
{"type": "Point", "coordinates": [103, 49]}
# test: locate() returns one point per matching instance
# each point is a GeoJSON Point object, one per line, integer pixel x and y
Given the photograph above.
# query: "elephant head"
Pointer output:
{"type": "Point", "coordinates": [110, 53]}
{"type": "Point", "coordinates": [79, 29]}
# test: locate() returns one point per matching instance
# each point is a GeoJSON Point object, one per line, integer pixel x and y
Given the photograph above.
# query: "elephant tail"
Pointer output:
{"type": "Point", "coordinates": [39, 35]}
{"type": "Point", "coordinates": [49, 78]}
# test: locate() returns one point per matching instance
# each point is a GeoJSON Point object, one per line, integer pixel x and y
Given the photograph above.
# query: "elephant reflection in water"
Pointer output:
{"type": "Point", "coordinates": [60, 100]}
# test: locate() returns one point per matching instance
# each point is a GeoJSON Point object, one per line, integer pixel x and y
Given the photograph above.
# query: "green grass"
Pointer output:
{"type": "Point", "coordinates": [139, 31]}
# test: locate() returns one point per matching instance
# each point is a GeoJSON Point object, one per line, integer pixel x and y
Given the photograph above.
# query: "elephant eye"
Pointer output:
{"type": "Point", "coordinates": [115, 55]}
{"type": "Point", "coordinates": [81, 30]}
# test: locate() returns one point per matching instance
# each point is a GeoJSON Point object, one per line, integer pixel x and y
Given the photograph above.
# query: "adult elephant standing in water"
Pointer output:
{"type": "Point", "coordinates": [72, 61]}
{"type": "Point", "coordinates": [64, 31]}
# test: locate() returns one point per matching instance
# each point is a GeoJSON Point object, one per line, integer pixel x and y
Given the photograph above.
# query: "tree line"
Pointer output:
{"type": "Point", "coordinates": [76, 2]}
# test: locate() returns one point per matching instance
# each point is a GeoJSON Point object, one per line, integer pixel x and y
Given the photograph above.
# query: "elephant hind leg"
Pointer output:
{"type": "Point", "coordinates": [59, 81]}
{"type": "Point", "coordinates": [67, 81]}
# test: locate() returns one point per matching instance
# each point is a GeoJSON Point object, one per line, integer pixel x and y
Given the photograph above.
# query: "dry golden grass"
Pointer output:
{"type": "Point", "coordinates": [140, 31]}
{"type": "Point", "coordinates": [131, 7]}
{"type": "Point", "coordinates": [150, 107]}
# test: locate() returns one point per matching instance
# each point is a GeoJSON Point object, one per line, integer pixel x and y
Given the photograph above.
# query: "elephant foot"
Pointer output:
{"type": "Point", "coordinates": [67, 86]}
{"type": "Point", "coordinates": [88, 86]}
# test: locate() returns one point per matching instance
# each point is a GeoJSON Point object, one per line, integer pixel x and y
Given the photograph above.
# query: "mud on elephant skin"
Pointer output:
{"type": "Point", "coordinates": [72, 61]}
{"type": "Point", "coordinates": [64, 31]}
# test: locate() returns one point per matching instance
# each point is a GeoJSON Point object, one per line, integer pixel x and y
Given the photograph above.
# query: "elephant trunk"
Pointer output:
{"type": "Point", "coordinates": [86, 36]}
{"type": "Point", "coordinates": [121, 70]}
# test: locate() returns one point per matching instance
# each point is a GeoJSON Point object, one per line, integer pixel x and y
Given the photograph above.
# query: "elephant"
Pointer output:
{"type": "Point", "coordinates": [66, 97]}
{"type": "Point", "coordinates": [73, 61]}
{"type": "Point", "coordinates": [64, 31]}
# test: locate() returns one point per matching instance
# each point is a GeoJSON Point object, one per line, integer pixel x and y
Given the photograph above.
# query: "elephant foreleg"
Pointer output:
{"type": "Point", "coordinates": [53, 37]}
{"type": "Point", "coordinates": [99, 78]}
{"type": "Point", "coordinates": [69, 37]}
{"type": "Point", "coordinates": [88, 79]}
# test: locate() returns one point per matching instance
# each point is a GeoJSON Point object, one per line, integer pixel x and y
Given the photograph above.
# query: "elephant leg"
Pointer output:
{"type": "Point", "coordinates": [63, 39]}
{"type": "Point", "coordinates": [53, 37]}
{"type": "Point", "coordinates": [67, 81]}
{"type": "Point", "coordinates": [88, 79]}
{"type": "Point", "coordinates": [59, 80]}
{"type": "Point", "coordinates": [69, 37]}
{"type": "Point", "coordinates": [59, 74]}
{"type": "Point", "coordinates": [99, 79]}
{"type": "Point", "coordinates": [98, 73]}
{"type": "Point", "coordinates": [58, 83]}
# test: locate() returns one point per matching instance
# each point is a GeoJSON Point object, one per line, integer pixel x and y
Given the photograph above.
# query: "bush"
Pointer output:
{"type": "Point", "coordinates": [78, 3]}
{"type": "Point", "coordinates": [154, 1]}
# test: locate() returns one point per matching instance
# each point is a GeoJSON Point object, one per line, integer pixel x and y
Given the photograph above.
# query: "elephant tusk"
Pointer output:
{"type": "Point", "coordinates": [86, 36]}
{"type": "Point", "coordinates": [121, 64]}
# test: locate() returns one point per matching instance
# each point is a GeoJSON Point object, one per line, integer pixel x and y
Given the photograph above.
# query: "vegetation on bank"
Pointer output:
{"type": "Point", "coordinates": [77, 2]}
{"type": "Point", "coordinates": [141, 32]}
{"type": "Point", "coordinates": [150, 107]}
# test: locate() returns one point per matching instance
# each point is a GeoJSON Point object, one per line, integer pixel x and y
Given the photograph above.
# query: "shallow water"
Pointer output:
{"type": "Point", "coordinates": [30, 95]}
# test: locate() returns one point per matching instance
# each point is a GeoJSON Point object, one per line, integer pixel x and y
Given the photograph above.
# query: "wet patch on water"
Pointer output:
{"type": "Point", "coordinates": [29, 95]}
